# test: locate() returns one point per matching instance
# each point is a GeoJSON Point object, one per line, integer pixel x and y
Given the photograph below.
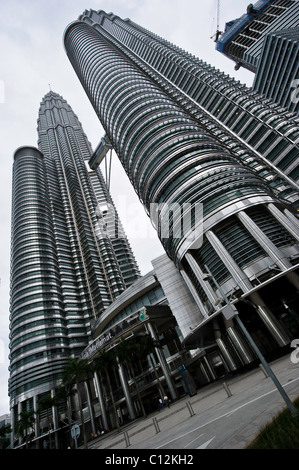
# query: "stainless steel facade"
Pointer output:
{"type": "Point", "coordinates": [187, 134]}
{"type": "Point", "coordinates": [255, 129]}
{"type": "Point", "coordinates": [65, 271]}
{"type": "Point", "coordinates": [277, 75]}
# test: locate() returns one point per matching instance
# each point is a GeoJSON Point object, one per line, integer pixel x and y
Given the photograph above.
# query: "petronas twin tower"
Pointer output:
{"type": "Point", "coordinates": [63, 272]}
{"type": "Point", "coordinates": [186, 135]}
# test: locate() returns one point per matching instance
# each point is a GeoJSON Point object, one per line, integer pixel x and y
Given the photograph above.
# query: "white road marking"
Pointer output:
{"type": "Point", "coordinates": [255, 399]}
{"type": "Point", "coordinates": [205, 444]}
{"type": "Point", "coordinates": [189, 443]}
{"type": "Point", "coordinates": [224, 415]}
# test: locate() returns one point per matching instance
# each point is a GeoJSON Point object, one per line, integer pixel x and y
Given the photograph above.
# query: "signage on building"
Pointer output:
{"type": "Point", "coordinates": [101, 341]}
{"type": "Point", "coordinates": [113, 333]}
{"type": "Point", "coordinates": [142, 314]}
{"type": "Point", "coordinates": [75, 431]}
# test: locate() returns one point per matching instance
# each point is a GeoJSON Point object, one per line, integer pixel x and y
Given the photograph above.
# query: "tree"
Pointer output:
{"type": "Point", "coordinates": [4, 440]}
{"type": "Point", "coordinates": [76, 371]}
{"type": "Point", "coordinates": [104, 362]}
{"type": "Point", "coordinates": [24, 424]}
{"type": "Point", "coordinates": [146, 347]}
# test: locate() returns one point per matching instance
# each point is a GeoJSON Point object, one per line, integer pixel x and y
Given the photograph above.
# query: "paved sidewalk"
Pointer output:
{"type": "Point", "coordinates": [238, 407]}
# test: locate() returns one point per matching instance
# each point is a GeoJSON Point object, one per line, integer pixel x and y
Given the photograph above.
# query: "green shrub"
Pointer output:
{"type": "Point", "coordinates": [280, 433]}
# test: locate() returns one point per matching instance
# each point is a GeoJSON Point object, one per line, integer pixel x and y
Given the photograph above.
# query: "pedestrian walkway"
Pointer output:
{"type": "Point", "coordinates": [211, 403]}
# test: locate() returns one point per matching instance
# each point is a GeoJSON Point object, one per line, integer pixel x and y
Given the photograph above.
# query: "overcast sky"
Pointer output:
{"type": "Point", "coordinates": [32, 57]}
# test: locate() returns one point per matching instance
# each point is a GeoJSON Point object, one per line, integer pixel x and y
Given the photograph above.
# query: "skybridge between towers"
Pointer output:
{"type": "Point", "coordinates": [99, 155]}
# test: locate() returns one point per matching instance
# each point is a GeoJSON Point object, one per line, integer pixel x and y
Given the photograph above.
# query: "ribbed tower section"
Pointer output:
{"type": "Point", "coordinates": [64, 144]}
{"type": "Point", "coordinates": [65, 270]}
{"type": "Point", "coordinates": [38, 330]}
{"type": "Point", "coordinates": [158, 107]}
{"type": "Point", "coordinates": [256, 129]}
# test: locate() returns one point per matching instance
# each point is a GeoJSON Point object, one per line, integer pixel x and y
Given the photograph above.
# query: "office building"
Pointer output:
{"type": "Point", "coordinates": [200, 147]}
{"type": "Point", "coordinates": [264, 40]}
{"type": "Point", "coordinates": [65, 270]}
{"type": "Point", "coordinates": [257, 130]}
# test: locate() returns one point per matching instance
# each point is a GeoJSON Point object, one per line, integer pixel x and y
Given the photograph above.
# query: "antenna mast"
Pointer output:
{"type": "Point", "coordinates": [218, 32]}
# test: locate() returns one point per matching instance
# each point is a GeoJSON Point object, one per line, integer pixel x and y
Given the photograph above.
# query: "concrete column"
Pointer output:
{"type": "Point", "coordinates": [163, 364]}
{"type": "Point", "coordinates": [269, 320]}
{"type": "Point", "coordinates": [291, 217]}
{"type": "Point", "coordinates": [12, 420]}
{"type": "Point", "coordinates": [101, 400]}
{"type": "Point", "coordinates": [200, 275]}
{"type": "Point", "coordinates": [262, 239]}
{"type": "Point", "coordinates": [242, 350]}
{"type": "Point", "coordinates": [284, 220]}
{"type": "Point", "coordinates": [229, 363]}
{"type": "Point", "coordinates": [289, 221]}
{"type": "Point", "coordinates": [90, 406]}
{"type": "Point", "coordinates": [203, 369]}
{"type": "Point", "coordinates": [236, 272]}
{"type": "Point", "coordinates": [209, 368]}
{"type": "Point", "coordinates": [36, 416]}
{"type": "Point", "coordinates": [55, 420]}
{"type": "Point", "coordinates": [195, 296]}
{"type": "Point", "coordinates": [125, 387]}
{"type": "Point", "coordinates": [180, 298]}
{"type": "Point", "coordinates": [77, 403]}
{"type": "Point", "coordinates": [20, 406]}
{"type": "Point", "coordinates": [69, 410]}
{"type": "Point", "coordinates": [223, 349]}
{"type": "Point", "coordinates": [245, 284]}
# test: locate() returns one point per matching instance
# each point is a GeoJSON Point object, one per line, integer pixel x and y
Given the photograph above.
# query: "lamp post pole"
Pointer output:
{"type": "Point", "coordinates": [267, 367]}
{"type": "Point", "coordinates": [232, 312]}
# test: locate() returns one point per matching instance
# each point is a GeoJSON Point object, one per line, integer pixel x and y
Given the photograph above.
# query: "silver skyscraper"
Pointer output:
{"type": "Point", "coordinates": [65, 270]}
{"type": "Point", "coordinates": [189, 136]}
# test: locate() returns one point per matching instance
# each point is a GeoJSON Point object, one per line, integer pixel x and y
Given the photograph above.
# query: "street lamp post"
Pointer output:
{"type": "Point", "coordinates": [267, 367]}
{"type": "Point", "coordinates": [229, 312]}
